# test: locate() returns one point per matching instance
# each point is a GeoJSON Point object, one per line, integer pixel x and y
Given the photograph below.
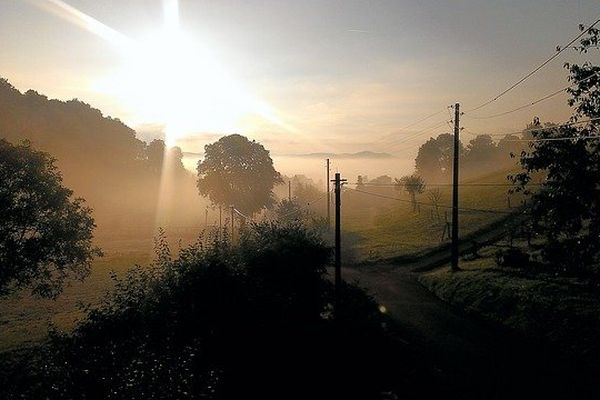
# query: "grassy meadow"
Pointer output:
{"type": "Point", "coordinates": [382, 228]}
{"type": "Point", "coordinates": [24, 320]}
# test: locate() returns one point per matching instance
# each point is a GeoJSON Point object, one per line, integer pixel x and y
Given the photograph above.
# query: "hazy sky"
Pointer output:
{"type": "Point", "coordinates": [297, 75]}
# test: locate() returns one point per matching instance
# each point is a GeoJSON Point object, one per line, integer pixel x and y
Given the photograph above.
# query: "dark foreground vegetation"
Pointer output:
{"type": "Point", "coordinates": [250, 320]}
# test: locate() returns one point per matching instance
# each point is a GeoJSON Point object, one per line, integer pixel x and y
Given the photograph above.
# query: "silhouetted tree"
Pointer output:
{"type": "Point", "coordinates": [414, 185]}
{"type": "Point", "coordinates": [481, 154]}
{"type": "Point", "coordinates": [360, 184]}
{"type": "Point", "coordinates": [382, 180]}
{"type": "Point", "coordinates": [288, 211]}
{"type": "Point", "coordinates": [434, 159]}
{"type": "Point", "coordinates": [45, 236]}
{"type": "Point", "coordinates": [435, 196]}
{"type": "Point", "coordinates": [567, 207]}
{"type": "Point", "coordinates": [238, 172]}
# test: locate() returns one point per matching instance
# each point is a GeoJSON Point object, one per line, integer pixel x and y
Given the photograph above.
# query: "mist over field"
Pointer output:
{"type": "Point", "coordinates": [314, 167]}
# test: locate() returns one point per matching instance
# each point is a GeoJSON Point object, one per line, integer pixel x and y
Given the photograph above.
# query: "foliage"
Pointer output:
{"type": "Point", "coordinates": [238, 172]}
{"type": "Point", "coordinates": [100, 157]}
{"type": "Point", "coordinates": [567, 208]}
{"type": "Point", "coordinates": [435, 197]}
{"type": "Point", "coordinates": [414, 185]}
{"type": "Point", "coordinates": [288, 211]}
{"type": "Point", "coordinates": [512, 257]}
{"type": "Point", "coordinates": [482, 153]}
{"type": "Point", "coordinates": [208, 324]}
{"type": "Point", "coordinates": [481, 156]}
{"type": "Point", "coordinates": [45, 235]}
{"type": "Point", "coordinates": [434, 158]}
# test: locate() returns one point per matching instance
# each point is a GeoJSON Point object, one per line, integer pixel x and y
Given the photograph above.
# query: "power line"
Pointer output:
{"type": "Point", "coordinates": [490, 184]}
{"type": "Point", "coordinates": [539, 128]}
{"type": "Point", "coordinates": [411, 125]}
{"type": "Point", "coordinates": [536, 101]}
{"type": "Point", "coordinates": [529, 74]}
{"type": "Point", "coordinates": [417, 134]}
{"type": "Point", "coordinates": [431, 204]}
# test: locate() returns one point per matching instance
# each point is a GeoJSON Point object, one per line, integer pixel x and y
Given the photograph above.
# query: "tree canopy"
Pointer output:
{"type": "Point", "coordinates": [45, 236]}
{"type": "Point", "coordinates": [434, 158]}
{"type": "Point", "coordinates": [238, 172]}
{"type": "Point", "coordinates": [566, 209]}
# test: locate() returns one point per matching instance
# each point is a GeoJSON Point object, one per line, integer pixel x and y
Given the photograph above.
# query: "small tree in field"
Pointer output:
{"type": "Point", "coordinates": [45, 236]}
{"type": "Point", "coordinates": [238, 172]}
{"type": "Point", "coordinates": [435, 196]}
{"type": "Point", "coordinates": [414, 185]}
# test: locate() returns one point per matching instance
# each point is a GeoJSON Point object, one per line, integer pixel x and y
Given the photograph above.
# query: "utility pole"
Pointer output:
{"type": "Point", "coordinates": [454, 264]}
{"type": "Point", "coordinates": [328, 198]}
{"type": "Point", "coordinates": [290, 190]}
{"type": "Point", "coordinates": [206, 217]}
{"type": "Point", "coordinates": [338, 238]}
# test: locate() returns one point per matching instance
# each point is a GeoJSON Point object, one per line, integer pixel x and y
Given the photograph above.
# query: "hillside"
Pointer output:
{"type": "Point", "coordinates": [100, 157]}
{"type": "Point", "coordinates": [379, 227]}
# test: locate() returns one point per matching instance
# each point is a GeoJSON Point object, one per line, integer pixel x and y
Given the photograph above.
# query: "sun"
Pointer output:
{"type": "Point", "coordinates": [167, 78]}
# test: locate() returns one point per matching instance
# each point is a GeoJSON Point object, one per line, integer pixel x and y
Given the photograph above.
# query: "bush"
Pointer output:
{"type": "Point", "coordinates": [512, 258]}
{"type": "Point", "coordinates": [217, 321]}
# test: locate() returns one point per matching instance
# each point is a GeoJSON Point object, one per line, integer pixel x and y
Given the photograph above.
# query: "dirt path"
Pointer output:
{"type": "Point", "coordinates": [480, 361]}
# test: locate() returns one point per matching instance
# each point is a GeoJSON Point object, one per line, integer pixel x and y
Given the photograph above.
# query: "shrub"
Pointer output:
{"type": "Point", "coordinates": [512, 258]}
{"type": "Point", "coordinates": [207, 324]}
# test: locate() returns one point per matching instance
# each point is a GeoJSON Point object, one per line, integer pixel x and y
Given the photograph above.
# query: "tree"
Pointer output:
{"type": "Point", "coordinates": [566, 209]}
{"type": "Point", "coordinates": [435, 197]}
{"type": "Point", "coordinates": [434, 159]}
{"type": "Point", "coordinates": [481, 154]}
{"type": "Point", "coordinates": [360, 182]}
{"type": "Point", "coordinates": [414, 185]}
{"type": "Point", "coordinates": [238, 172]}
{"type": "Point", "coordinates": [45, 236]}
{"type": "Point", "coordinates": [288, 211]}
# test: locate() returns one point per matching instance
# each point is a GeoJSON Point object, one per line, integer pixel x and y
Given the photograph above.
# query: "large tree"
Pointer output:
{"type": "Point", "coordinates": [566, 210]}
{"type": "Point", "coordinates": [45, 235]}
{"type": "Point", "coordinates": [238, 172]}
{"type": "Point", "coordinates": [434, 159]}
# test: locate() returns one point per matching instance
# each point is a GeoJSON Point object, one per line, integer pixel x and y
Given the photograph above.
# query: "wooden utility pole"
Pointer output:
{"type": "Point", "coordinates": [290, 190]}
{"type": "Point", "coordinates": [206, 217]}
{"type": "Point", "coordinates": [454, 264]}
{"type": "Point", "coordinates": [220, 221]}
{"type": "Point", "coordinates": [338, 238]}
{"type": "Point", "coordinates": [328, 198]}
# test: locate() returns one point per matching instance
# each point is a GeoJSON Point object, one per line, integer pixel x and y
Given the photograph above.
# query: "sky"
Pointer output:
{"type": "Point", "coordinates": [298, 76]}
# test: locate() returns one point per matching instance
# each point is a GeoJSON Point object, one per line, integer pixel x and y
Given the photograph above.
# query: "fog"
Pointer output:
{"type": "Point", "coordinates": [314, 168]}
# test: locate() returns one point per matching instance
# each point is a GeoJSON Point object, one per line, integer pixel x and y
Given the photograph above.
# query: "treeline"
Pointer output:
{"type": "Point", "coordinates": [482, 155]}
{"type": "Point", "coordinates": [102, 160]}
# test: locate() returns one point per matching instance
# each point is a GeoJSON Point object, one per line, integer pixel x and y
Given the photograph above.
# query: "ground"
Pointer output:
{"type": "Point", "coordinates": [479, 359]}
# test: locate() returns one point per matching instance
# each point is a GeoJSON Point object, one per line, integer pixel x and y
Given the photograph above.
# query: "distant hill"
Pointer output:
{"type": "Point", "coordinates": [360, 154]}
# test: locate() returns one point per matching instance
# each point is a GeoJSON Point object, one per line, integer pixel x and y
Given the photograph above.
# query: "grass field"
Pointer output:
{"type": "Point", "coordinates": [556, 310]}
{"type": "Point", "coordinates": [373, 228]}
{"type": "Point", "coordinates": [24, 320]}
{"type": "Point", "coordinates": [382, 228]}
